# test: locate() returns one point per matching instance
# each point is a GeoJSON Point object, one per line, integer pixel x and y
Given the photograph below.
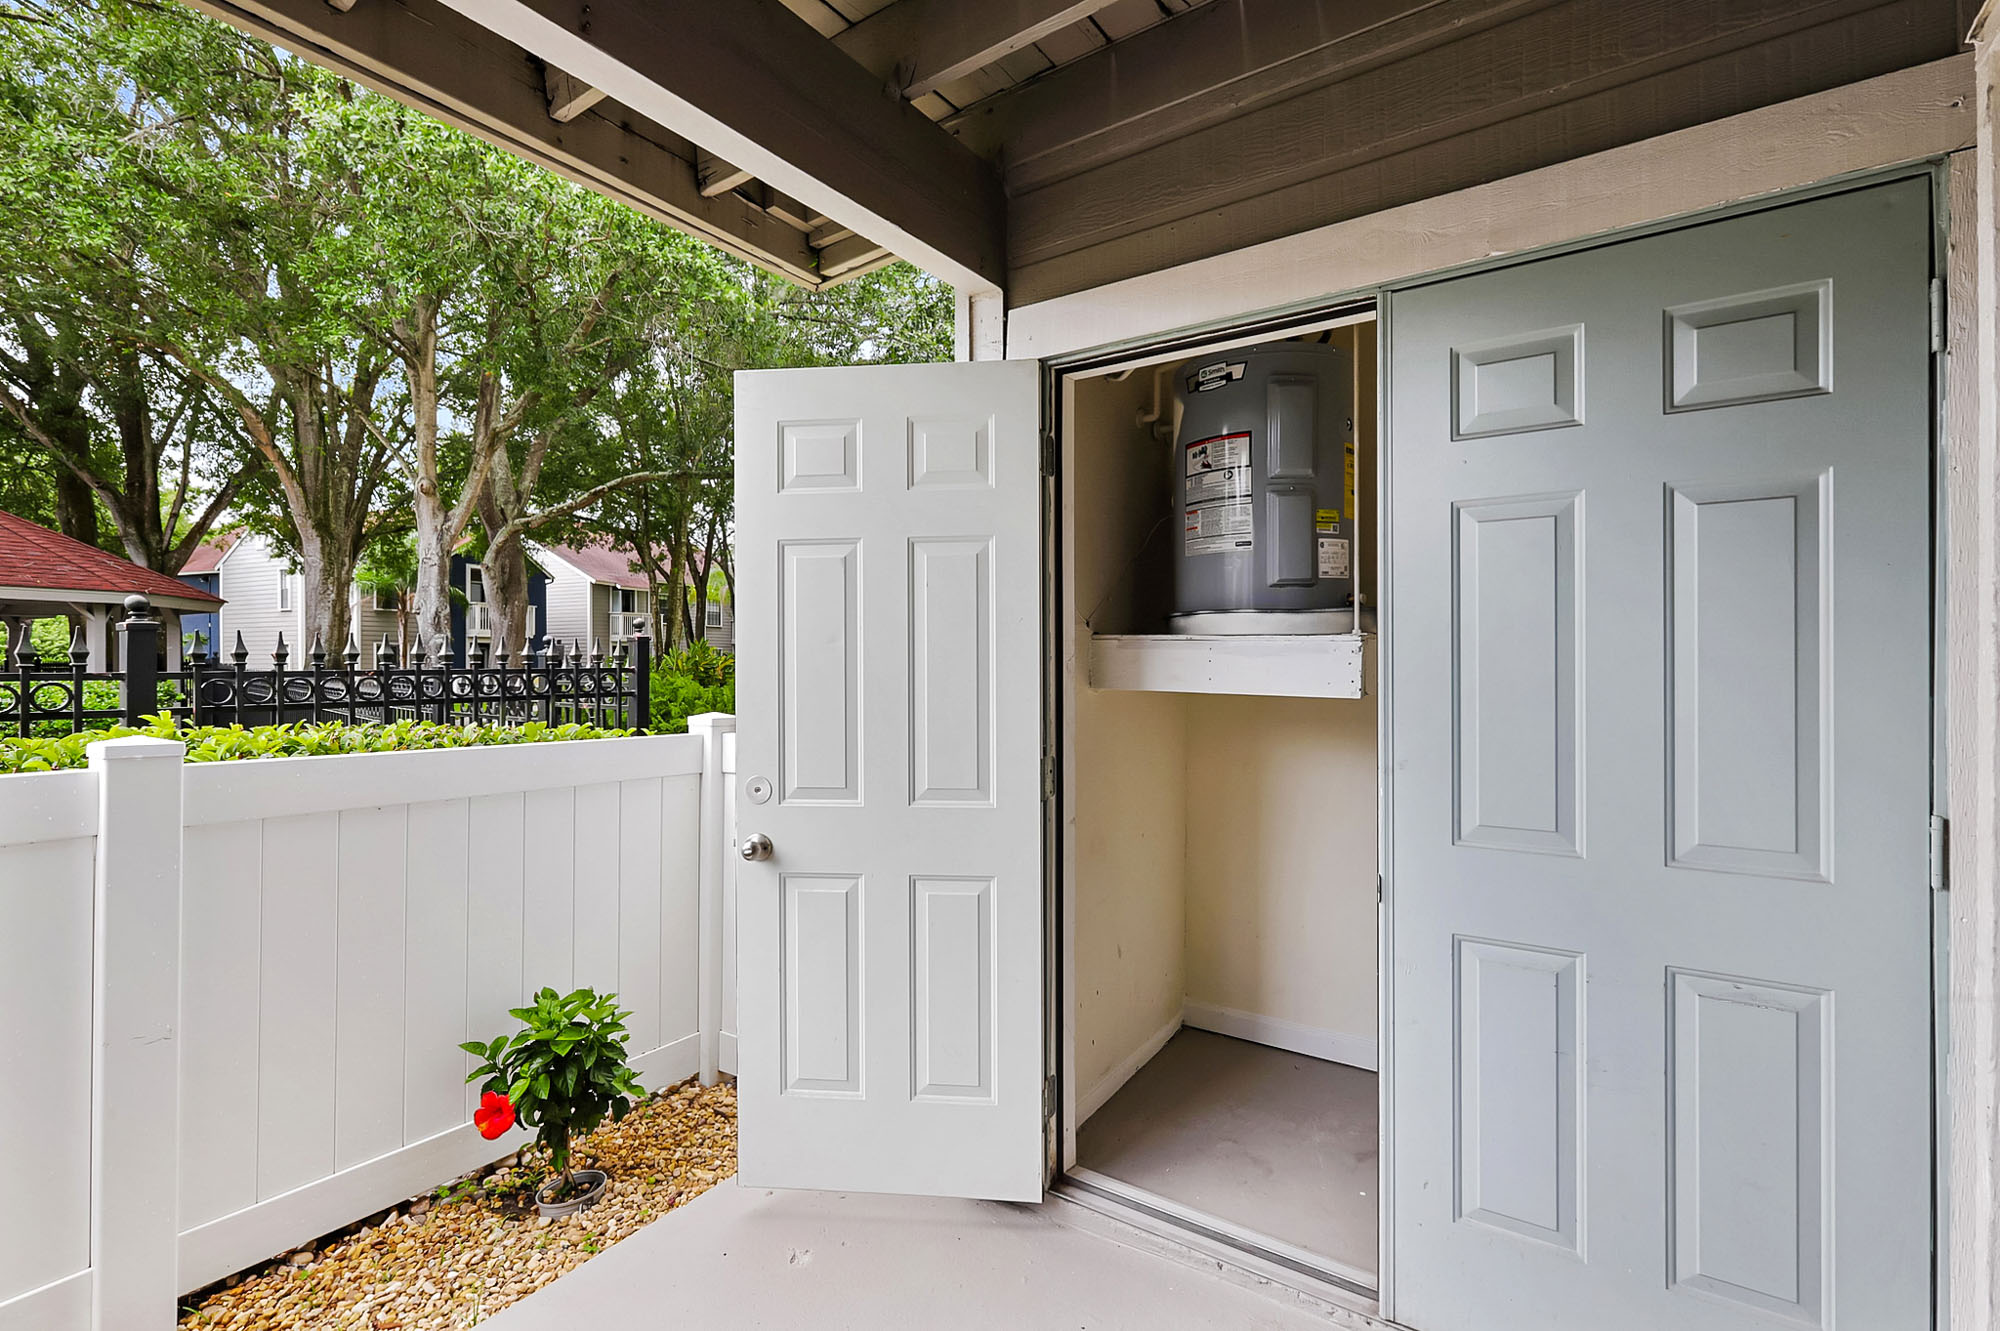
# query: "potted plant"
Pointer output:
{"type": "Point", "coordinates": [560, 1075]}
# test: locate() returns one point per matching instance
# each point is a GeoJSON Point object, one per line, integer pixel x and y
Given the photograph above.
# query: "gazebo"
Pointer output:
{"type": "Point", "coordinates": [44, 574]}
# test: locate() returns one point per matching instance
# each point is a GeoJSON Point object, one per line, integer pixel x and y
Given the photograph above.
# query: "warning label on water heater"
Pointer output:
{"type": "Point", "coordinates": [1218, 493]}
{"type": "Point", "coordinates": [1333, 557]}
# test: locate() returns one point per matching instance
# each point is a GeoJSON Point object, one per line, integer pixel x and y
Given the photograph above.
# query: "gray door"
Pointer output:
{"type": "Point", "coordinates": [1659, 610]}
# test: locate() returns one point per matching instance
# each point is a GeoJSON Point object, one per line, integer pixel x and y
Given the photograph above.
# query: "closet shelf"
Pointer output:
{"type": "Point", "coordinates": [1292, 666]}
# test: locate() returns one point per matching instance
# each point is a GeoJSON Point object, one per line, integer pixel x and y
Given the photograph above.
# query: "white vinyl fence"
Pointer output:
{"type": "Point", "coordinates": [231, 994]}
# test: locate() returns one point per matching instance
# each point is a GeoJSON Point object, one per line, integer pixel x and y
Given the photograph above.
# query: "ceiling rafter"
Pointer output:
{"type": "Point", "coordinates": [918, 46]}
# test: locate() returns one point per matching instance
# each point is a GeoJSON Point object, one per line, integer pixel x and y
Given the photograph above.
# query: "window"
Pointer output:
{"type": "Point", "coordinates": [387, 598]}
{"type": "Point", "coordinates": [532, 633]}
{"type": "Point", "coordinates": [715, 614]}
{"type": "Point", "coordinates": [475, 584]}
{"type": "Point", "coordinates": [284, 590]}
{"type": "Point", "coordinates": [625, 608]}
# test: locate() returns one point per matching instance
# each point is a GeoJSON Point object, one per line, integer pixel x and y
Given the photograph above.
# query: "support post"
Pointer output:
{"type": "Point", "coordinates": [717, 841]}
{"type": "Point", "coordinates": [171, 637]}
{"type": "Point", "coordinates": [135, 1098]}
{"type": "Point", "coordinates": [97, 638]}
{"type": "Point", "coordinates": [1972, 1179]}
{"type": "Point", "coordinates": [979, 325]}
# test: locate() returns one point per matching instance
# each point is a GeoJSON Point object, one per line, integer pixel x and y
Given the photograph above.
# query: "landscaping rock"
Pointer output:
{"type": "Point", "coordinates": [453, 1264]}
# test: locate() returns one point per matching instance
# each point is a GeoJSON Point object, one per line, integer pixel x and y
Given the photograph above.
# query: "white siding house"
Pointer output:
{"type": "Point", "coordinates": [261, 600]}
{"type": "Point", "coordinates": [266, 603]}
{"type": "Point", "coordinates": [595, 593]}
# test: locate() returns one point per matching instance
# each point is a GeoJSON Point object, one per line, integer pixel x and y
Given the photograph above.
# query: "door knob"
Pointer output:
{"type": "Point", "coordinates": [756, 846]}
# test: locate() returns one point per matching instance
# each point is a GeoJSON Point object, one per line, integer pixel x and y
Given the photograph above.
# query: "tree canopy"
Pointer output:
{"type": "Point", "coordinates": [242, 291]}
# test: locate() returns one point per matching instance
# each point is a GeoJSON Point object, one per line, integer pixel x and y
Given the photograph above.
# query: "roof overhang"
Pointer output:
{"type": "Point", "coordinates": [59, 600]}
{"type": "Point", "coordinates": [1043, 147]}
{"type": "Point", "coordinates": [831, 179]}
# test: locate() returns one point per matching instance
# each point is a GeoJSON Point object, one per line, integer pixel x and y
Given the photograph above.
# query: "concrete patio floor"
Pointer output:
{"type": "Point", "coordinates": [749, 1258]}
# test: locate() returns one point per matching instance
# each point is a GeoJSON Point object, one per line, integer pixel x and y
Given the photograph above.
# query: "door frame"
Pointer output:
{"type": "Point", "coordinates": [1950, 178]}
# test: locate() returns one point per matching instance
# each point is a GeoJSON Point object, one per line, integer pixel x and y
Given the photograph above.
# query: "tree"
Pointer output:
{"type": "Point", "coordinates": [179, 176]}
{"type": "Point", "coordinates": [128, 432]}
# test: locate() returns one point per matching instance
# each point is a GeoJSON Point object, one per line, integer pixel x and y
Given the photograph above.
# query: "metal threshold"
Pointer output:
{"type": "Point", "coordinates": [1259, 1254]}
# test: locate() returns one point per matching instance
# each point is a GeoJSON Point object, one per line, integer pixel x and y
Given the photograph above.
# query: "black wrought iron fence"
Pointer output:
{"type": "Point", "coordinates": [559, 684]}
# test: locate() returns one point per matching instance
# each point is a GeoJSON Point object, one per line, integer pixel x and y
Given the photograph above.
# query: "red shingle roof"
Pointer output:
{"type": "Point", "coordinates": [35, 557]}
{"type": "Point", "coordinates": [208, 555]}
{"type": "Point", "coordinates": [601, 562]}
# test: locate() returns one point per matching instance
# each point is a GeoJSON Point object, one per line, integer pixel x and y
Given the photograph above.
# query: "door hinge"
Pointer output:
{"type": "Point", "coordinates": [1048, 776]}
{"type": "Point", "coordinates": [1940, 853]}
{"type": "Point", "coordinates": [1937, 314]}
{"type": "Point", "coordinates": [1048, 454]}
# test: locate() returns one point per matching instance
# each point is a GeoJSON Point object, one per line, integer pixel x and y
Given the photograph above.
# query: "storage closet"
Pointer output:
{"type": "Point", "coordinates": [1221, 805]}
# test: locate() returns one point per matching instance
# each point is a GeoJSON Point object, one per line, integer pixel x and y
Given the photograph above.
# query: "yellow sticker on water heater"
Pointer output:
{"type": "Point", "coordinates": [1326, 520]}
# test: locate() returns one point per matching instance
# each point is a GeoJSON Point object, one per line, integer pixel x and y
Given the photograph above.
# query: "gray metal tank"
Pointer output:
{"type": "Point", "coordinates": [1264, 478]}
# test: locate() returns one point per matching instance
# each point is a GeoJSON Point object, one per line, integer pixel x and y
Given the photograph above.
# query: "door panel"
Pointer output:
{"type": "Point", "coordinates": [890, 950]}
{"type": "Point", "coordinates": [1660, 660]}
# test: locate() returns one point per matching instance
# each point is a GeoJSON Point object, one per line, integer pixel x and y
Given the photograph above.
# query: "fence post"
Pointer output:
{"type": "Point", "coordinates": [642, 680]}
{"type": "Point", "coordinates": [715, 844]}
{"type": "Point", "coordinates": [138, 661]}
{"type": "Point", "coordinates": [135, 1091]}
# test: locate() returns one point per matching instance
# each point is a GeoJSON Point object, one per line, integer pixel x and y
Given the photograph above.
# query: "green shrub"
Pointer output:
{"type": "Point", "coordinates": [560, 1074]}
{"type": "Point", "coordinates": [705, 665]}
{"type": "Point", "coordinates": [50, 638]}
{"type": "Point", "coordinates": [209, 744]}
{"type": "Point", "coordinates": [677, 695]}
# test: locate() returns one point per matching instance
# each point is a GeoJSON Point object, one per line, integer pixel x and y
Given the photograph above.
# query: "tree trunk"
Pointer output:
{"type": "Point", "coordinates": [439, 525]}
{"type": "Point", "coordinates": [506, 566]}
{"type": "Point", "coordinates": [433, 590]}
{"type": "Point", "coordinates": [325, 574]}
{"type": "Point", "coordinates": [76, 508]}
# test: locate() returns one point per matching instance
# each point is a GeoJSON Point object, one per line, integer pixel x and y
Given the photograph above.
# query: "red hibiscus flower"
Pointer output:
{"type": "Point", "coordinates": [494, 1116]}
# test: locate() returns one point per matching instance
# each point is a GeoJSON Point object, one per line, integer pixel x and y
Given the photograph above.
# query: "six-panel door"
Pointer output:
{"type": "Point", "coordinates": [1659, 618]}
{"type": "Point", "coordinates": [889, 744]}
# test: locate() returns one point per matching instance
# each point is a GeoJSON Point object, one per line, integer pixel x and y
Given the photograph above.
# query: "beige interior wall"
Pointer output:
{"type": "Point", "coordinates": [1280, 853]}
{"type": "Point", "coordinates": [1126, 750]}
{"type": "Point", "coordinates": [1223, 849]}
{"type": "Point", "coordinates": [1131, 873]}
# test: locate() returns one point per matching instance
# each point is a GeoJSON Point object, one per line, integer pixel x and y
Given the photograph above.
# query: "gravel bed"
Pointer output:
{"type": "Point", "coordinates": [455, 1257]}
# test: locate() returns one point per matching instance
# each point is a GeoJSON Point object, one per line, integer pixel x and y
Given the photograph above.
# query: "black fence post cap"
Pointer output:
{"type": "Point", "coordinates": [138, 607]}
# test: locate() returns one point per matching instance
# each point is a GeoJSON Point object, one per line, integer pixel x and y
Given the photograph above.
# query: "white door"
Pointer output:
{"type": "Point", "coordinates": [1660, 729]}
{"type": "Point", "coordinates": [889, 733]}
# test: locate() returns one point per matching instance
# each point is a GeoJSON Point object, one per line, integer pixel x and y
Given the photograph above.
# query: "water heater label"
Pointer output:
{"type": "Point", "coordinates": [1218, 494]}
{"type": "Point", "coordinates": [1333, 557]}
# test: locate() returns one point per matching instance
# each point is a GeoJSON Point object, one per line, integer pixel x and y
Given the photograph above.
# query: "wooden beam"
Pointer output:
{"type": "Point", "coordinates": [427, 55]}
{"type": "Point", "coordinates": [342, 5]}
{"type": "Point", "coordinates": [1553, 82]}
{"type": "Point", "coordinates": [1907, 116]}
{"type": "Point", "coordinates": [1218, 61]}
{"type": "Point", "coordinates": [827, 233]}
{"type": "Point", "coordinates": [788, 210]}
{"type": "Point", "coordinates": [754, 84]}
{"type": "Point", "coordinates": [918, 46]}
{"type": "Point", "coordinates": [569, 97]}
{"type": "Point", "coordinates": [716, 176]}
{"type": "Point", "coordinates": [851, 258]}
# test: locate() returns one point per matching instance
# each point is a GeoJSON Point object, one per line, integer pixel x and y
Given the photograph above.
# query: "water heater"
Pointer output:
{"type": "Point", "coordinates": [1264, 481]}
